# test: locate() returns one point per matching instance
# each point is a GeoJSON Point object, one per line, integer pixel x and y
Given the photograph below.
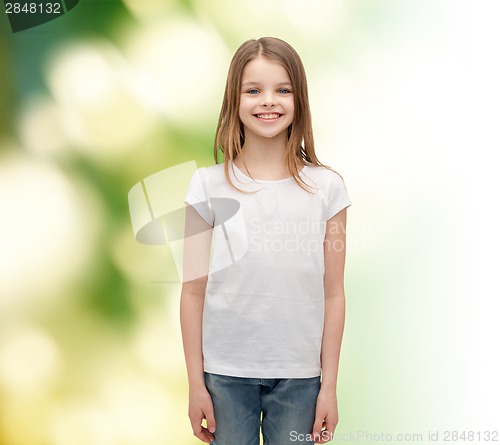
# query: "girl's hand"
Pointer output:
{"type": "Point", "coordinates": [327, 416]}
{"type": "Point", "coordinates": [201, 407]}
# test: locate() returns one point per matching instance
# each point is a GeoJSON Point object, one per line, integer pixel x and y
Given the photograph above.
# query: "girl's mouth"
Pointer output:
{"type": "Point", "coordinates": [268, 116]}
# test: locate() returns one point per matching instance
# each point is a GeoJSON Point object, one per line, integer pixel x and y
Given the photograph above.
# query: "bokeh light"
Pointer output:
{"type": "Point", "coordinates": [41, 127]}
{"type": "Point", "coordinates": [315, 20]}
{"type": "Point", "coordinates": [45, 235]}
{"type": "Point", "coordinates": [102, 114]}
{"type": "Point", "coordinates": [30, 361]}
{"type": "Point", "coordinates": [172, 56]}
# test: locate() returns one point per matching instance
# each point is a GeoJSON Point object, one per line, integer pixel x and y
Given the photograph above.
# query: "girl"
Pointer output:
{"type": "Point", "coordinates": [262, 331]}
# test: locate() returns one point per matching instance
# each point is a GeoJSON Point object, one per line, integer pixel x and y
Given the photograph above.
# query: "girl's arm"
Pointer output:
{"type": "Point", "coordinates": [197, 243]}
{"type": "Point", "coordinates": [334, 248]}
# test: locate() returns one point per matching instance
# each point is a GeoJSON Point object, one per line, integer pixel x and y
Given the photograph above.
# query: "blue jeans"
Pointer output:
{"type": "Point", "coordinates": [288, 408]}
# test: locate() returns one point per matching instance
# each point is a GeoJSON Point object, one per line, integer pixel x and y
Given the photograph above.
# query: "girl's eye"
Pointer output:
{"type": "Point", "coordinates": [284, 90]}
{"type": "Point", "coordinates": [253, 91]}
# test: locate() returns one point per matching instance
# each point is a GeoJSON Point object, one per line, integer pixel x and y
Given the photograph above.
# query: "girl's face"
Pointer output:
{"type": "Point", "coordinates": [266, 102]}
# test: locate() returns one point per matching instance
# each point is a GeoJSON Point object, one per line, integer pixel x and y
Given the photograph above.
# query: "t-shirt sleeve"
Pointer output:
{"type": "Point", "coordinates": [338, 198]}
{"type": "Point", "coordinates": [196, 196]}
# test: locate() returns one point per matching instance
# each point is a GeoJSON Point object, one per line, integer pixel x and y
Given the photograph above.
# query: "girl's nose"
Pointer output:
{"type": "Point", "coordinates": [268, 100]}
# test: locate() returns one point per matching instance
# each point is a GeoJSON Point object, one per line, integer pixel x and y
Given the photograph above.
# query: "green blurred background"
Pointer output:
{"type": "Point", "coordinates": [404, 97]}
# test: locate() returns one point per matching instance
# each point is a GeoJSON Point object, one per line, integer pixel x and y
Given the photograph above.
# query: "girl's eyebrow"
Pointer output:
{"type": "Point", "coordinates": [257, 83]}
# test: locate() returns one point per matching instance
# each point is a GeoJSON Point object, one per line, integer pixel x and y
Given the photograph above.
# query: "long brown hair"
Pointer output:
{"type": "Point", "coordinates": [230, 134]}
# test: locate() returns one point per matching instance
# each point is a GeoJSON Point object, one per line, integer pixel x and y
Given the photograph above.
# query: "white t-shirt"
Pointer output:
{"type": "Point", "coordinates": [264, 302]}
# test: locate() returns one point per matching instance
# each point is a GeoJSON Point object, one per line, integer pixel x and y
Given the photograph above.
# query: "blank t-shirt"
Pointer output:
{"type": "Point", "coordinates": [264, 301]}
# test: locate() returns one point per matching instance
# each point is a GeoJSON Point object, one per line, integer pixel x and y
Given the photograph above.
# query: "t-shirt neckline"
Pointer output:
{"type": "Point", "coordinates": [266, 181]}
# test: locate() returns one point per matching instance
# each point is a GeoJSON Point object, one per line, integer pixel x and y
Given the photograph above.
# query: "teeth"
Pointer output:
{"type": "Point", "coordinates": [268, 116]}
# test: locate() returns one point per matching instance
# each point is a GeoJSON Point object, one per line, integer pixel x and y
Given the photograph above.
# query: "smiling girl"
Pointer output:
{"type": "Point", "coordinates": [262, 335]}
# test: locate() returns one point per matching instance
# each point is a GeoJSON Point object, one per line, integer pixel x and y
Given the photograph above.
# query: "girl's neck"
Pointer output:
{"type": "Point", "coordinates": [265, 153]}
{"type": "Point", "coordinates": [264, 160]}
